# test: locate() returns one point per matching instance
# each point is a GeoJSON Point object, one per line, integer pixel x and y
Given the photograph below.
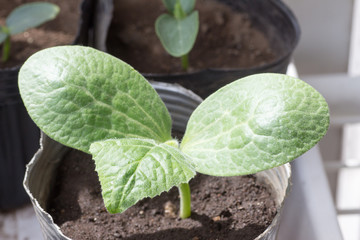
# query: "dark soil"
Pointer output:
{"type": "Point", "coordinates": [227, 39]}
{"type": "Point", "coordinates": [223, 208]}
{"type": "Point", "coordinates": [60, 31]}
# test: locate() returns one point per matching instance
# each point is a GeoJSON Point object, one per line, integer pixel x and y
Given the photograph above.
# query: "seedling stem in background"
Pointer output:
{"type": "Point", "coordinates": [178, 30]}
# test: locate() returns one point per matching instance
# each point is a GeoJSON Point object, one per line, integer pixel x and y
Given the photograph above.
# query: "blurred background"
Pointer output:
{"type": "Point", "coordinates": [327, 44]}
{"type": "Point", "coordinates": [328, 57]}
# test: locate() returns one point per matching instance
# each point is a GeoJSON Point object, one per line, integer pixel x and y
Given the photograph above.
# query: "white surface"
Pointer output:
{"type": "Point", "coordinates": [348, 192]}
{"type": "Point", "coordinates": [343, 95]}
{"type": "Point", "coordinates": [309, 212]}
{"type": "Point", "coordinates": [349, 224]}
{"type": "Point", "coordinates": [354, 53]}
{"type": "Point", "coordinates": [20, 225]}
{"type": "Point", "coordinates": [325, 39]}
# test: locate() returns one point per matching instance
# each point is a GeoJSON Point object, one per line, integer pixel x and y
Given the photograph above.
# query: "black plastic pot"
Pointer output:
{"type": "Point", "coordinates": [19, 140]}
{"type": "Point", "coordinates": [272, 17]}
{"type": "Point", "coordinates": [19, 136]}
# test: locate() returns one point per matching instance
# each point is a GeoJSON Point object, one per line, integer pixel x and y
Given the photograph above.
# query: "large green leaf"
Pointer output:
{"type": "Point", "coordinates": [30, 15]}
{"type": "Point", "coordinates": [132, 169]}
{"type": "Point", "coordinates": [255, 123]}
{"type": "Point", "coordinates": [78, 95]}
{"type": "Point", "coordinates": [177, 36]}
{"type": "Point", "coordinates": [186, 5]}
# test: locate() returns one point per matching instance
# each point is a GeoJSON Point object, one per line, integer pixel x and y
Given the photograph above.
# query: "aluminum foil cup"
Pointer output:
{"type": "Point", "coordinates": [40, 173]}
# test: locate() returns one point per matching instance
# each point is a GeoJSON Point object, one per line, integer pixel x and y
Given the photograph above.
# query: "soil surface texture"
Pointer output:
{"type": "Point", "coordinates": [226, 38]}
{"type": "Point", "coordinates": [222, 208]}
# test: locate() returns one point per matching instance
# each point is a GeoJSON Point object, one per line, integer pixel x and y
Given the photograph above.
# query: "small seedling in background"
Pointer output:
{"type": "Point", "coordinates": [93, 102]}
{"type": "Point", "coordinates": [26, 16]}
{"type": "Point", "coordinates": [177, 31]}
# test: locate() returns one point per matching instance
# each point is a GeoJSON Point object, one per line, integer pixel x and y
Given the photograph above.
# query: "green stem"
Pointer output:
{"type": "Point", "coordinates": [185, 200]}
{"type": "Point", "coordinates": [185, 62]}
{"type": "Point", "coordinates": [6, 49]}
{"type": "Point", "coordinates": [178, 11]}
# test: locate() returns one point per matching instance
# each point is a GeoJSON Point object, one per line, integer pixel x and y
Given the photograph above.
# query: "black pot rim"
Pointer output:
{"type": "Point", "coordinates": [285, 11]}
{"type": "Point", "coordinates": [9, 69]}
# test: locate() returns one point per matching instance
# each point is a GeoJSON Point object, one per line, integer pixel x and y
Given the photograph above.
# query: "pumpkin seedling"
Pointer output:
{"type": "Point", "coordinates": [177, 31]}
{"type": "Point", "coordinates": [26, 16]}
{"type": "Point", "coordinates": [91, 101]}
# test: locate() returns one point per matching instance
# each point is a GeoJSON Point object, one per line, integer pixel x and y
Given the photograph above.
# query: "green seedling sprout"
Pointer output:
{"type": "Point", "coordinates": [177, 31]}
{"type": "Point", "coordinates": [26, 16]}
{"type": "Point", "coordinates": [96, 103]}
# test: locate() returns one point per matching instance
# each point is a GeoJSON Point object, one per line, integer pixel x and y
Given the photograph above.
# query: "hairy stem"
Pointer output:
{"type": "Point", "coordinates": [6, 49]}
{"type": "Point", "coordinates": [185, 200]}
{"type": "Point", "coordinates": [185, 62]}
